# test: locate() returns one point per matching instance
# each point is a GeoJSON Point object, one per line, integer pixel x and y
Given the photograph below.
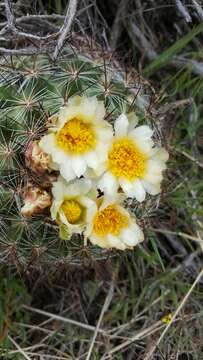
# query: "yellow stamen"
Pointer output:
{"type": "Point", "coordinates": [72, 210]}
{"type": "Point", "coordinates": [126, 160]}
{"type": "Point", "coordinates": [76, 136]}
{"type": "Point", "coordinates": [109, 221]}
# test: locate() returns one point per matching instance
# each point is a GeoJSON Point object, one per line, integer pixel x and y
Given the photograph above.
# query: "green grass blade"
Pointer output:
{"type": "Point", "coordinates": [155, 248]}
{"type": "Point", "coordinates": [166, 56]}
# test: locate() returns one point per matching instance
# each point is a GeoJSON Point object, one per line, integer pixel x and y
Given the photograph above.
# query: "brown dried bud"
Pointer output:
{"type": "Point", "coordinates": [35, 200]}
{"type": "Point", "coordinates": [36, 159]}
{"type": "Point", "coordinates": [46, 180]}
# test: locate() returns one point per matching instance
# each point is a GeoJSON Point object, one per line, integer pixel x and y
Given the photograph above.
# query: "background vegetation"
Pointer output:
{"type": "Point", "coordinates": [145, 304]}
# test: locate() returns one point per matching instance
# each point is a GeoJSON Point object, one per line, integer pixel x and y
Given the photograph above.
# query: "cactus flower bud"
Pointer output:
{"type": "Point", "coordinates": [36, 159]}
{"type": "Point", "coordinates": [35, 200]}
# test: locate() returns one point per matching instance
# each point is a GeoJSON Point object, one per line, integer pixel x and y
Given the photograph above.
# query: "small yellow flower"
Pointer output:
{"type": "Point", "coordinates": [167, 318]}
{"type": "Point", "coordinates": [109, 225]}
{"type": "Point", "coordinates": [79, 138]}
{"type": "Point", "coordinates": [69, 205]}
{"type": "Point", "coordinates": [134, 163]}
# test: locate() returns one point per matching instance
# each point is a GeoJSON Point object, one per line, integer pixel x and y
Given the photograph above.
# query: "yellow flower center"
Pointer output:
{"type": "Point", "coordinates": [126, 160]}
{"type": "Point", "coordinates": [76, 136]}
{"type": "Point", "coordinates": [72, 210]}
{"type": "Point", "coordinates": [109, 221]}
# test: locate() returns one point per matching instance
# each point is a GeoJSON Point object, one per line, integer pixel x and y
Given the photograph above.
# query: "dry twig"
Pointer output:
{"type": "Point", "coordinates": [104, 309]}
{"type": "Point", "coordinates": [21, 351]}
{"type": "Point", "coordinates": [63, 319]}
{"type": "Point", "coordinates": [27, 50]}
{"type": "Point", "coordinates": [70, 14]}
{"type": "Point", "coordinates": [10, 30]}
{"type": "Point", "coordinates": [11, 27]}
{"type": "Point", "coordinates": [150, 353]}
{"type": "Point", "coordinates": [198, 9]}
{"type": "Point", "coordinates": [183, 11]}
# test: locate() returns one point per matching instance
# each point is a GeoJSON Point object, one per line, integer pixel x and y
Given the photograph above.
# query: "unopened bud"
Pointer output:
{"type": "Point", "coordinates": [36, 159]}
{"type": "Point", "coordinates": [35, 200]}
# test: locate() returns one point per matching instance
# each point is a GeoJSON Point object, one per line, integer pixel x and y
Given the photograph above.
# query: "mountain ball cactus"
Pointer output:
{"type": "Point", "coordinates": [81, 157]}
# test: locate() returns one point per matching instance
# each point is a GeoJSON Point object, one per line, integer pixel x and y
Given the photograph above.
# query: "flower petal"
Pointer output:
{"type": "Point", "coordinates": [79, 166]}
{"type": "Point", "coordinates": [108, 184]}
{"type": "Point", "coordinates": [58, 189]}
{"type": "Point", "coordinates": [55, 208]}
{"type": "Point", "coordinates": [48, 143]}
{"type": "Point", "coordinates": [127, 186]}
{"type": "Point", "coordinates": [142, 132]}
{"type": "Point", "coordinates": [117, 199]}
{"type": "Point", "coordinates": [156, 167]}
{"type": "Point", "coordinates": [133, 189]}
{"type": "Point", "coordinates": [121, 125]}
{"type": "Point", "coordinates": [78, 187]}
{"type": "Point", "coordinates": [100, 111]}
{"type": "Point", "coordinates": [138, 191]}
{"type": "Point", "coordinates": [67, 171]}
{"type": "Point", "coordinates": [102, 242]}
{"type": "Point", "coordinates": [160, 154]}
{"type": "Point", "coordinates": [92, 108]}
{"type": "Point", "coordinates": [133, 120]}
{"type": "Point", "coordinates": [115, 242]}
{"type": "Point", "coordinates": [153, 178]}
{"type": "Point", "coordinates": [138, 231]}
{"type": "Point", "coordinates": [132, 236]}
{"type": "Point", "coordinates": [144, 146]}
{"type": "Point", "coordinates": [92, 159]}
{"type": "Point", "coordinates": [152, 189]}
{"type": "Point", "coordinates": [105, 131]}
{"type": "Point", "coordinates": [91, 211]}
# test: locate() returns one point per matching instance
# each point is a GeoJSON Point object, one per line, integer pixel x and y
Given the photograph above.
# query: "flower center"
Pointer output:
{"type": "Point", "coordinates": [72, 210]}
{"type": "Point", "coordinates": [109, 221]}
{"type": "Point", "coordinates": [76, 136]}
{"type": "Point", "coordinates": [126, 160]}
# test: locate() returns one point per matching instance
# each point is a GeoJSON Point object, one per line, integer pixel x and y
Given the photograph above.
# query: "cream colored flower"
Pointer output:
{"type": "Point", "coordinates": [109, 225]}
{"type": "Point", "coordinates": [70, 203]}
{"type": "Point", "coordinates": [79, 138]}
{"type": "Point", "coordinates": [134, 163]}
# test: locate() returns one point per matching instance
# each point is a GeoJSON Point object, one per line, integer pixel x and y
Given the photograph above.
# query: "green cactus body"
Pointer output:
{"type": "Point", "coordinates": [32, 90]}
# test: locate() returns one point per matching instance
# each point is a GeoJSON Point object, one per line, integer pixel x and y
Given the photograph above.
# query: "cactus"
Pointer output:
{"type": "Point", "coordinates": [32, 91]}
